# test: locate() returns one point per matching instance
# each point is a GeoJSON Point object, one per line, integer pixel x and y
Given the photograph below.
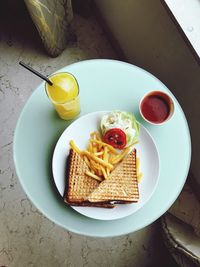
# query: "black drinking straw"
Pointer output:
{"type": "Point", "coordinates": [35, 72]}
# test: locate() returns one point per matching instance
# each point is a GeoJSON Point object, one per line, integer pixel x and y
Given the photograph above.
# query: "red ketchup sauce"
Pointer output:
{"type": "Point", "coordinates": [155, 108]}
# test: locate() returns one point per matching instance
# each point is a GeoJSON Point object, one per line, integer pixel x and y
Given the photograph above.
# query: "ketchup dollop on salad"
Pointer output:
{"type": "Point", "coordinates": [119, 129]}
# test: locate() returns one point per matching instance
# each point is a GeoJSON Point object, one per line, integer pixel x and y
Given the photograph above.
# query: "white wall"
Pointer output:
{"type": "Point", "coordinates": [149, 38]}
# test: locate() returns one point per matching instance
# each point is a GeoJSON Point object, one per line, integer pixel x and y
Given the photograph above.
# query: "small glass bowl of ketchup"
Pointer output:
{"type": "Point", "coordinates": [156, 107]}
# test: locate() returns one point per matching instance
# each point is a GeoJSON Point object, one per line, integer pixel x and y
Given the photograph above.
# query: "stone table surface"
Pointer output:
{"type": "Point", "coordinates": [27, 238]}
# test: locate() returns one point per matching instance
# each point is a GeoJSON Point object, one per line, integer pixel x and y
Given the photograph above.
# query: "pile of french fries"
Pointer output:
{"type": "Point", "coordinates": [100, 157]}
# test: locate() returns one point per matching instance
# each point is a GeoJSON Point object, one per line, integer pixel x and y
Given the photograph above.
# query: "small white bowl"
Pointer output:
{"type": "Point", "coordinates": [162, 96]}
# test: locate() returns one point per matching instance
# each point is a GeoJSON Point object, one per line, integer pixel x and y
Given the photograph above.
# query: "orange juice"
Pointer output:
{"type": "Point", "coordinates": [64, 95]}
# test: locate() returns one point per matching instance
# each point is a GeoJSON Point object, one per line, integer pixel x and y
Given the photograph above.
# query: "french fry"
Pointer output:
{"type": "Point", "coordinates": [92, 165]}
{"type": "Point", "coordinates": [73, 146]}
{"type": "Point", "coordinates": [104, 172]}
{"type": "Point", "coordinates": [137, 165]}
{"type": "Point", "coordinates": [95, 135]}
{"type": "Point", "coordinates": [110, 159]}
{"type": "Point", "coordinates": [95, 164]}
{"type": "Point", "coordinates": [100, 153]}
{"type": "Point", "coordinates": [98, 137]}
{"type": "Point", "coordinates": [139, 174]}
{"type": "Point", "coordinates": [90, 147]}
{"type": "Point", "coordinates": [87, 161]}
{"type": "Point", "coordinates": [96, 168]}
{"type": "Point", "coordinates": [94, 149]}
{"type": "Point", "coordinates": [93, 176]}
{"type": "Point", "coordinates": [105, 154]}
{"type": "Point", "coordinates": [139, 177]}
{"type": "Point", "coordinates": [99, 173]}
{"type": "Point", "coordinates": [118, 158]}
{"type": "Point", "coordinates": [134, 143]}
{"type": "Point", "coordinates": [107, 172]}
{"type": "Point", "coordinates": [105, 144]}
{"type": "Point", "coordinates": [98, 160]}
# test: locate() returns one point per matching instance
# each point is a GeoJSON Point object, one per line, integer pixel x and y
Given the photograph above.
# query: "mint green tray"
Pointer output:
{"type": "Point", "coordinates": [104, 85]}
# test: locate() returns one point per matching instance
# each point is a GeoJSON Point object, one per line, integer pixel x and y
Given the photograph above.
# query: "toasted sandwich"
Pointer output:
{"type": "Point", "coordinates": [121, 186]}
{"type": "Point", "coordinates": [79, 186]}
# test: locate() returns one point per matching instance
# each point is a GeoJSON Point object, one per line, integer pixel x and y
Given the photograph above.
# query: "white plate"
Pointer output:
{"type": "Point", "coordinates": [80, 131]}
